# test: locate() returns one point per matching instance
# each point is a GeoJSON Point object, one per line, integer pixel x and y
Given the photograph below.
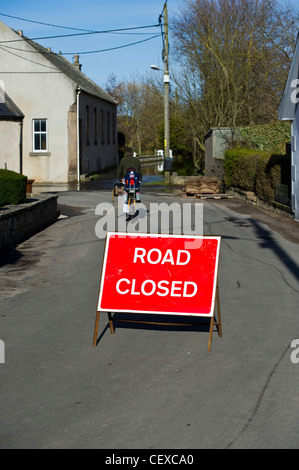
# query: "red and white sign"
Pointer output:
{"type": "Point", "coordinates": [163, 274]}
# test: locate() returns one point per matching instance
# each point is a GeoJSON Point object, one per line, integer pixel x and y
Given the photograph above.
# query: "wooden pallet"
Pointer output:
{"type": "Point", "coordinates": [208, 196]}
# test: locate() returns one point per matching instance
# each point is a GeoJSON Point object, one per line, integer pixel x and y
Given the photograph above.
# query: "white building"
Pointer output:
{"type": "Point", "coordinates": [67, 125]}
{"type": "Point", "coordinates": [289, 111]}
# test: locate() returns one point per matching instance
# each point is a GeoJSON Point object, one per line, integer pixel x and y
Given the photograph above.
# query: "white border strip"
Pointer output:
{"type": "Point", "coordinates": [157, 235]}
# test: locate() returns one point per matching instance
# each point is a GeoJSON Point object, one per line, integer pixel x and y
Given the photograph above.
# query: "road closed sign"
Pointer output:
{"type": "Point", "coordinates": [162, 274]}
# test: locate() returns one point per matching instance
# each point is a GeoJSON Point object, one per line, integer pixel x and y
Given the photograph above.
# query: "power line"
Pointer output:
{"type": "Point", "coordinates": [42, 23]}
{"type": "Point", "coordinates": [9, 48]}
{"type": "Point", "coordinates": [112, 48]}
{"type": "Point", "coordinates": [36, 52]}
{"type": "Point", "coordinates": [29, 73]}
{"type": "Point", "coordinates": [83, 34]}
{"type": "Point", "coordinates": [27, 60]}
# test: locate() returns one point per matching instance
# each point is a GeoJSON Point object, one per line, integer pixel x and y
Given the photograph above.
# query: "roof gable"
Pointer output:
{"type": "Point", "coordinates": [72, 72]}
{"type": "Point", "coordinates": [288, 105]}
{"type": "Point", "coordinates": [66, 67]}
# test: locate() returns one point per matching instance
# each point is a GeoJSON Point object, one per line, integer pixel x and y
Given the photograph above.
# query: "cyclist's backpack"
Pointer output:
{"type": "Point", "coordinates": [132, 180]}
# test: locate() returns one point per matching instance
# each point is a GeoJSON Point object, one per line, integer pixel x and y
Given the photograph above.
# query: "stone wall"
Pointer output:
{"type": "Point", "coordinates": [18, 223]}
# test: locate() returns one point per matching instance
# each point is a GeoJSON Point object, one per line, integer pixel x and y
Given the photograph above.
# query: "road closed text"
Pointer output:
{"type": "Point", "coordinates": [163, 287]}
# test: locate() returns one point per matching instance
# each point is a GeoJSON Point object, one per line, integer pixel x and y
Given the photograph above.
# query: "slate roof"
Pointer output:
{"type": "Point", "coordinates": [8, 109]}
{"type": "Point", "coordinates": [72, 72]}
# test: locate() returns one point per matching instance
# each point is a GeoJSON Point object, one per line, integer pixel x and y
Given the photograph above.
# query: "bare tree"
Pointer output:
{"type": "Point", "coordinates": [140, 112]}
{"type": "Point", "coordinates": [235, 55]}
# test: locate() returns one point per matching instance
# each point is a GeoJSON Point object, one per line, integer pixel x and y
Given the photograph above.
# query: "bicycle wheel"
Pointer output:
{"type": "Point", "coordinates": [131, 206]}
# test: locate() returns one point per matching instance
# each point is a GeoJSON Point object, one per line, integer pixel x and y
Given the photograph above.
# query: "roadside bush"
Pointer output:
{"type": "Point", "coordinates": [12, 187]}
{"type": "Point", "coordinates": [259, 172]}
{"type": "Point", "coordinates": [272, 171]}
{"type": "Point", "coordinates": [240, 168]}
{"type": "Point", "coordinates": [266, 137]}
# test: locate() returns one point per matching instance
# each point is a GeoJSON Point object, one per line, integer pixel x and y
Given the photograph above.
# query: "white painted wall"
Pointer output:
{"type": "Point", "coordinates": [41, 91]}
{"type": "Point", "coordinates": [10, 145]}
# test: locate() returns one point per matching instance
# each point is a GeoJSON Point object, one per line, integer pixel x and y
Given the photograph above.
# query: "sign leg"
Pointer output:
{"type": "Point", "coordinates": [211, 333]}
{"type": "Point", "coordinates": [215, 321]}
{"type": "Point", "coordinates": [218, 313]}
{"type": "Point", "coordinates": [111, 324]}
{"type": "Point", "coordinates": [96, 327]}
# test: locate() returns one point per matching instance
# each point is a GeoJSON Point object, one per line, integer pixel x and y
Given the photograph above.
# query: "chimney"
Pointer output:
{"type": "Point", "coordinates": [76, 62]}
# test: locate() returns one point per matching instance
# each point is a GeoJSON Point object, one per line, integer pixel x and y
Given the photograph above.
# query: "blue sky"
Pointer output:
{"type": "Point", "coordinates": [127, 63]}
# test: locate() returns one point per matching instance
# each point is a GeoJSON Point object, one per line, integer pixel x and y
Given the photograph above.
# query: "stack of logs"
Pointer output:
{"type": "Point", "coordinates": [202, 185]}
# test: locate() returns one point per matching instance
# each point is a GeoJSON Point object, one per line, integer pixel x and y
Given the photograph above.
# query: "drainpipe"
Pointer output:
{"type": "Point", "coordinates": [21, 147]}
{"type": "Point", "coordinates": [78, 90]}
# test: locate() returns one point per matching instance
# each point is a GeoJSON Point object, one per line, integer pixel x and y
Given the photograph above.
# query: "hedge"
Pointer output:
{"type": "Point", "coordinates": [266, 137]}
{"type": "Point", "coordinates": [259, 172]}
{"type": "Point", "coordinates": [12, 187]}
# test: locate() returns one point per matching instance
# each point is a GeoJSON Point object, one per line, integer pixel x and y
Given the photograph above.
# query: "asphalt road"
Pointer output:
{"type": "Point", "coordinates": [150, 387]}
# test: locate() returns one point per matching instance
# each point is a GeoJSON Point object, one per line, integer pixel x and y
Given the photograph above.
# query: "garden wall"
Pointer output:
{"type": "Point", "coordinates": [18, 223]}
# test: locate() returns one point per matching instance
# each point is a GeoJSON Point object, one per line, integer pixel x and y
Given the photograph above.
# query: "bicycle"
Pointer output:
{"type": "Point", "coordinates": [131, 190]}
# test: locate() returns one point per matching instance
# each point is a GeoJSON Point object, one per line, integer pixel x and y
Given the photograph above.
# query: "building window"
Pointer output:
{"type": "Point", "coordinates": [113, 127]}
{"type": "Point", "coordinates": [102, 127]}
{"type": "Point", "coordinates": [40, 135]}
{"type": "Point", "coordinates": [87, 126]}
{"type": "Point", "coordinates": [95, 127]}
{"type": "Point", "coordinates": [108, 127]}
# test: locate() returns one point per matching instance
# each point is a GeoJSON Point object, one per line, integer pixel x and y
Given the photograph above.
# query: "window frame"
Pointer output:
{"type": "Point", "coordinates": [40, 133]}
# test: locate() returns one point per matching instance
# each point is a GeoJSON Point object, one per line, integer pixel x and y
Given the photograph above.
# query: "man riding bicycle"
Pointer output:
{"type": "Point", "coordinates": [130, 163]}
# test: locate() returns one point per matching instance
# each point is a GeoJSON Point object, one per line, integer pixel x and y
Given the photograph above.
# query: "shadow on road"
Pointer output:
{"type": "Point", "coordinates": [12, 257]}
{"type": "Point", "coordinates": [267, 241]}
{"type": "Point", "coordinates": [157, 323]}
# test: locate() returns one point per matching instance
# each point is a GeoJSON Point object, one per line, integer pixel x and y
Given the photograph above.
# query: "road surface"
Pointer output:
{"type": "Point", "coordinates": [149, 387]}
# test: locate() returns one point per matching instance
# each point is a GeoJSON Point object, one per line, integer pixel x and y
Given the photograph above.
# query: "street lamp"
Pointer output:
{"type": "Point", "coordinates": [166, 109]}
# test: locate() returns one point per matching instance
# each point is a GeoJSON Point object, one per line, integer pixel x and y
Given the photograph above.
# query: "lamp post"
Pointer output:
{"type": "Point", "coordinates": [166, 111]}
{"type": "Point", "coordinates": [166, 85]}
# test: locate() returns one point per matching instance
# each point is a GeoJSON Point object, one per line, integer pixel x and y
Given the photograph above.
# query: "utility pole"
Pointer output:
{"type": "Point", "coordinates": [166, 85]}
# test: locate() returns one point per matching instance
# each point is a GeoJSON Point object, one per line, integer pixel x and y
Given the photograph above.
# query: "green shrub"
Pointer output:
{"type": "Point", "coordinates": [267, 137]}
{"type": "Point", "coordinates": [12, 187]}
{"type": "Point", "coordinates": [256, 171]}
{"type": "Point", "coordinates": [276, 169]}
{"type": "Point", "coordinates": [236, 164]}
